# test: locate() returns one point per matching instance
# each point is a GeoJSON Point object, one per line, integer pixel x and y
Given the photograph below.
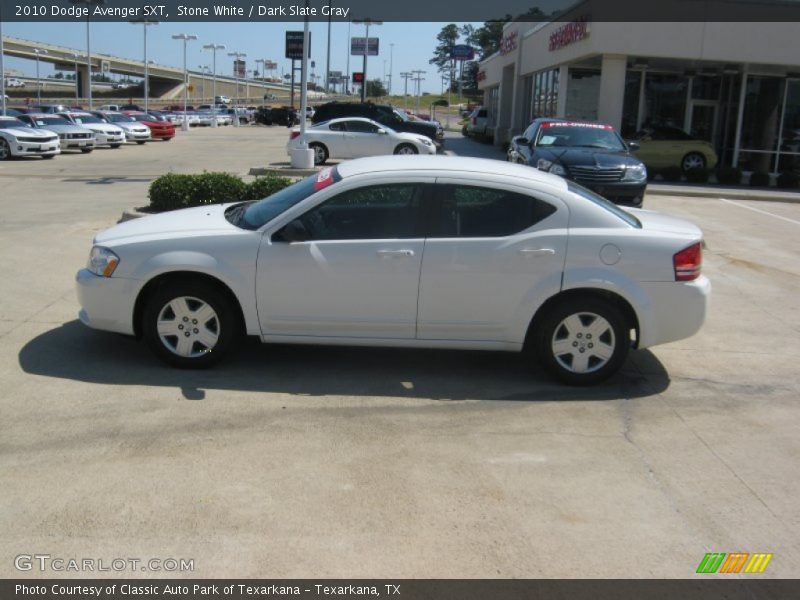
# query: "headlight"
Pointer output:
{"type": "Point", "coordinates": [425, 141]}
{"type": "Point", "coordinates": [635, 173]}
{"type": "Point", "coordinates": [102, 261]}
{"type": "Point", "coordinates": [547, 165]}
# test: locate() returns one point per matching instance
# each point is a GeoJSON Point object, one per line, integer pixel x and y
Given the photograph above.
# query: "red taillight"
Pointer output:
{"type": "Point", "coordinates": [294, 134]}
{"type": "Point", "coordinates": [688, 262]}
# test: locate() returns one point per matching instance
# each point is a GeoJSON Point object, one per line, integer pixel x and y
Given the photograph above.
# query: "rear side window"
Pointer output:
{"type": "Point", "coordinates": [373, 212]}
{"type": "Point", "coordinates": [339, 126]}
{"type": "Point", "coordinates": [467, 211]}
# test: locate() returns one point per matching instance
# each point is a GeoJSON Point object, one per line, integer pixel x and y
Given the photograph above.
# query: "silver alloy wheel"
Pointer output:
{"type": "Point", "coordinates": [5, 151]}
{"type": "Point", "coordinates": [188, 327]}
{"type": "Point", "coordinates": [584, 342]}
{"type": "Point", "coordinates": [406, 150]}
{"type": "Point", "coordinates": [693, 161]}
{"type": "Point", "coordinates": [319, 155]}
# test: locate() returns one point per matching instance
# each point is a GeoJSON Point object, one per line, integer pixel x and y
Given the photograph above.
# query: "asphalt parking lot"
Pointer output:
{"type": "Point", "coordinates": [326, 462]}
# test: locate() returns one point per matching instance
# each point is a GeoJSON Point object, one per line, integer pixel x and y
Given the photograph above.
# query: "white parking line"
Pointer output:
{"type": "Point", "coordinates": [758, 210]}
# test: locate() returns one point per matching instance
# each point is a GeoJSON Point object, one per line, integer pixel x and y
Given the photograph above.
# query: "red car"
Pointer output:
{"type": "Point", "coordinates": [160, 128]}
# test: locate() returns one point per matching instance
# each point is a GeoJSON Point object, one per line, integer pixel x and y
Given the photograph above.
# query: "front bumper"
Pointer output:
{"type": "Point", "coordinates": [106, 302]}
{"type": "Point", "coordinates": [628, 192]}
{"type": "Point", "coordinates": [102, 139]}
{"type": "Point", "coordinates": [35, 148]}
{"type": "Point", "coordinates": [677, 310]}
{"type": "Point", "coordinates": [132, 136]}
{"type": "Point", "coordinates": [78, 144]}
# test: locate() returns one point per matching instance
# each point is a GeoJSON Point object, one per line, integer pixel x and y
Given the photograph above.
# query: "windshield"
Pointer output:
{"type": "Point", "coordinates": [13, 124]}
{"type": "Point", "coordinates": [120, 119]}
{"type": "Point", "coordinates": [607, 204]}
{"type": "Point", "coordinates": [579, 135]}
{"type": "Point", "coordinates": [82, 119]}
{"type": "Point", "coordinates": [261, 212]}
{"type": "Point", "coordinates": [45, 121]}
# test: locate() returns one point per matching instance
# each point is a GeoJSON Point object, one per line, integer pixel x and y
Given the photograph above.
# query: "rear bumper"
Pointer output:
{"type": "Point", "coordinates": [677, 310]}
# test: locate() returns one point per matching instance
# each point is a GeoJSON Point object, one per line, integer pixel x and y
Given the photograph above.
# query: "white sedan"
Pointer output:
{"type": "Point", "coordinates": [356, 137]}
{"type": "Point", "coordinates": [19, 139]}
{"type": "Point", "coordinates": [422, 252]}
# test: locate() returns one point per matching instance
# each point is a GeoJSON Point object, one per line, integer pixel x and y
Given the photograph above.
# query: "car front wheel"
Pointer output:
{"type": "Point", "coordinates": [582, 341]}
{"type": "Point", "coordinates": [190, 325]}
{"type": "Point", "coordinates": [5, 150]}
{"type": "Point", "coordinates": [406, 149]}
{"type": "Point", "coordinates": [693, 160]}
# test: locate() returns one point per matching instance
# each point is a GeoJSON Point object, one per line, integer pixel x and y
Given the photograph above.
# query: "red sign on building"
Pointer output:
{"type": "Point", "coordinates": [569, 34]}
{"type": "Point", "coordinates": [509, 42]}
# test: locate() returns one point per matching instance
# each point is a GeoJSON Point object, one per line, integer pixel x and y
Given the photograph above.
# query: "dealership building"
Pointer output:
{"type": "Point", "coordinates": [736, 85]}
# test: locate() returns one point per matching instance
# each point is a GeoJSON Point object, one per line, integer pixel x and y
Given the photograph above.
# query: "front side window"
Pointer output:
{"type": "Point", "coordinates": [369, 213]}
{"type": "Point", "coordinates": [468, 211]}
{"type": "Point", "coordinates": [360, 127]}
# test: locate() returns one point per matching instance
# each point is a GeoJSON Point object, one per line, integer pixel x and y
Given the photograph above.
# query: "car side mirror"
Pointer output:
{"type": "Point", "coordinates": [382, 132]}
{"type": "Point", "coordinates": [633, 146]}
{"type": "Point", "coordinates": [523, 141]}
{"type": "Point", "coordinates": [294, 231]}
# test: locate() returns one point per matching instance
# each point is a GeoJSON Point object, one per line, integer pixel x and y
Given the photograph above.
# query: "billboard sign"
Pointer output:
{"type": "Point", "coordinates": [270, 66]}
{"type": "Point", "coordinates": [360, 46]}
{"type": "Point", "coordinates": [358, 77]}
{"type": "Point", "coordinates": [239, 68]}
{"type": "Point", "coordinates": [294, 45]}
{"type": "Point", "coordinates": [462, 52]}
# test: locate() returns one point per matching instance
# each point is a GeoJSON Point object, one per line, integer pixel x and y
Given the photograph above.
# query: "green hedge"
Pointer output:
{"type": "Point", "coordinates": [173, 191]}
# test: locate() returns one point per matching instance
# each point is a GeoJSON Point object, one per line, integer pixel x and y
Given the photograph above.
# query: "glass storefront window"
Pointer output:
{"type": "Point", "coordinates": [789, 159]}
{"type": "Point", "coordinates": [706, 87]}
{"type": "Point", "coordinates": [761, 122]}
{"type": "Point", "coordinates": [665, 99]}
{"type": "Point", "coordinates": [583, 92]}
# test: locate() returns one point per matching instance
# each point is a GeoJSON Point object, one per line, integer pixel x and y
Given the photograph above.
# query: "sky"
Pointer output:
{"type": "Point", "coordinates": [413, 45]}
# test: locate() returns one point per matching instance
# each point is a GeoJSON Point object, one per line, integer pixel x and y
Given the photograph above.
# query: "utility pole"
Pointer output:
{"type": "Point", "coordinates": [38, 81]}
{"type": "Point", "coordinates": [145, 23]}
{"type": "Point", "coordinates": [237, 56]}
{"type": "Point", "coordinates": [391, 66]}
{"type": "Point", "coordinates": [328, 61]}
{"type": "Point", "coordinates": [418, 79]}
{"type": "Point", "coordinates": [214, 48]}
{"type": "Point", "coordinates": [349, 41]}
{"type": "Point", "coordinates": [406, 76]}
{"type": "Point", "coordinates": [186, 38]}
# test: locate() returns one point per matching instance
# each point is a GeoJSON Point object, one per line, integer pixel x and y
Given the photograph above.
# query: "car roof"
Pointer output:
{"type": "Point", "coordinates": [36, 115]}
{"type": "Point", "coordinates": [452, 164]}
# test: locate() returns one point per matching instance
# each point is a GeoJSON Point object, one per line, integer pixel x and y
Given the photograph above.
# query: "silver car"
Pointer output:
{"type": "Point", "coordinates": [105, 133]}
{"type": "Point", "coordinates": [134, 130]}
{"type": "Point", "coordinates": [71, 136]}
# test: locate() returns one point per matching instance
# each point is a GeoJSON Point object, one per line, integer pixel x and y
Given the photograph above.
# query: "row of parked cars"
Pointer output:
{"type": "Point", "coordinates": [47, 130]}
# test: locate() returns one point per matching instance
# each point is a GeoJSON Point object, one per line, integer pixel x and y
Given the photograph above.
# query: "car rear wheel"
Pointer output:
{"type": "Point", "coordinates": [320, 153]}
{"type": "Point", "coordinates": [190, 325]}
{"type": "Point", "coordinates": [5, 150]}
{"type": "Point", "coordinates": [582, 341]}
{"type": "Point", "coordinates": [406, 149]}
{"type": "Point", "coordinates": [693, 160]}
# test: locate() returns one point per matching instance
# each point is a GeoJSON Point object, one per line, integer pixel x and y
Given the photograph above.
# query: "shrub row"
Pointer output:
{"type": "Point", "coordinates": [174, 191]}
{"type": "Point", "coordinates": [725, 176]}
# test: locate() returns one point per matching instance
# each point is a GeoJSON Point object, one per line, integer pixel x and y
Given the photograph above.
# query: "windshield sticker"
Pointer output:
{"type": "Point", "coordinates": [324, 179]}
{"type": "Point", "coordinates": [574, 124]}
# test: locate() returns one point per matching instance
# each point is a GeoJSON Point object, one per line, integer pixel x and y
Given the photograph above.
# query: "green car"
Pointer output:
{"type": "Point", "coordinates": [661, 147]}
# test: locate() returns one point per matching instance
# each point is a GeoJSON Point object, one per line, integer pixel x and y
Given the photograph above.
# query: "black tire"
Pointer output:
{"type": "Point", "coordinates": [693, 160]}
{"type": "Point", "coordinates": [140, 142]}
{"type": "Point", "coordinates": [5, 150]}
{"type": "Point", "coordinates": [225, 323]}
{"type": "Point", "coordinates": [87, 150]}
{"type": "Point", "coordinates": [406, 149]}
{"type": "Point", "coordinates": [551, 332]}
{"type": "Point", "coordinates": [115, 146]}
{"type": "Point", "coordinates": [48, 156]}
{"type": "Point", "coordinates": [320, 153]}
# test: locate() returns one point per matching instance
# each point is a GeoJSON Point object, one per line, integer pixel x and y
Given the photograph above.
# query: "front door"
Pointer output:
{"type": "Point", "coordinates": [358, 274]}
{"type": "Point", "coordinates": [362, 139]}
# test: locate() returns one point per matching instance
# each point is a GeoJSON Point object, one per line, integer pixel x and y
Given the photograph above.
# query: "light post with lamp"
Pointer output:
{"type": "Point", "coordinates": [145, 23]}
{"type": "Point", "coordinates": [366, 23]}
{"type": "Point", "coordinates": [186, 38]}
{"type": "Point", "coordinates": [237, 56]}
{"type": "Point", "coordinates": [89, 4]}
{"type": "Point", "coordinates": [214, 48]}
{"type": "Point", "coordinates": [38, 51]}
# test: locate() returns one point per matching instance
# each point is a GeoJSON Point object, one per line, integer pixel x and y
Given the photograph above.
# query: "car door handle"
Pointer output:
{"type": "Point", "coordinates": [395, 253]}
{"type": "Point", "coordinates": [536, 251]}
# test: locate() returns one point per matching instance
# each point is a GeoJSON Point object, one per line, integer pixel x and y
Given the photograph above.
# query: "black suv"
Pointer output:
{"type": "Point", "coordinates": [590, 153]}
{"type": "Point", "coordinates": [277, 116]}
{"type": "Point", "coordinates": [383, 114]}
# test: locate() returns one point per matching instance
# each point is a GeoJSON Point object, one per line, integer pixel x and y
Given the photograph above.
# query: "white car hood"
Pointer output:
{"type": "Point", "coordinates": [175, 223]}
{"type": "Point", "coordinates": [25, 132]}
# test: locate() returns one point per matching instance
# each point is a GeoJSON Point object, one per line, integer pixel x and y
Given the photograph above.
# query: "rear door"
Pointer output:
{"type": "Point", "coordinates": [493, 253]}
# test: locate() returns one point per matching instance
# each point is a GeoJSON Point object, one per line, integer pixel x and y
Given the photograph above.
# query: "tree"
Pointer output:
{"type": "Point", "coordinates": [447, 38]}
{"type": "Point", "coordinates": [375, 88]}
{"type": "Point", "coordinates": [486, 38]}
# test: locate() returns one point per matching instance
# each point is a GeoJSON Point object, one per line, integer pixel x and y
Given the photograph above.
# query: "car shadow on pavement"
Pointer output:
{"type": "Point", "coordinates": [74, 352]}
{"type": "Point", "coordinates": [464, 146]}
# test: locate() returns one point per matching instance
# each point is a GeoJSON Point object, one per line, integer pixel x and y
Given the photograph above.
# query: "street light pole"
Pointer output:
{"type": "Point", "coordinates": [328, 62]}
{"type": "Point", "coordinates": [237, 56]}
{"type": "Point", "coordinates": [38, 51]}
{"type": "Point", "coordinates": [186, 38]}
{"type": "Point", "coordinates": [214, 48]}
{"type": "Point", "coordinates": [75, 57]}
{"type": "Point", "coordinates": [2, 72]}
{"type": "Point", "coordinates": [366, 23]}
{"type": "Point", "coordinates": [391, 66]}
{"type": "Point", "coordinates": [145, 23]}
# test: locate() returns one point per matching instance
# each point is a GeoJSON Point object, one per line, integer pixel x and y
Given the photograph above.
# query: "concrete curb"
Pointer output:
{"type": "Point", "coordinates": [722, 193]}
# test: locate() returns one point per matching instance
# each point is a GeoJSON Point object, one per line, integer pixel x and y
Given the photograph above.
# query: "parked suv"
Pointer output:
{"type": "Point", "coordinates": [590, 153]}
{"type": "Point", "coordinates": [383, 114]}
{"type": "Point", "coordinates": [478, 121]}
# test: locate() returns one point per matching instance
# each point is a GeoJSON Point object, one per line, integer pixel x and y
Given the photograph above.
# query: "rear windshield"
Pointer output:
{"type": "Point", "coordinates": [607, 204]}
{"type": "Point", "coordinates": [261, 212]}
